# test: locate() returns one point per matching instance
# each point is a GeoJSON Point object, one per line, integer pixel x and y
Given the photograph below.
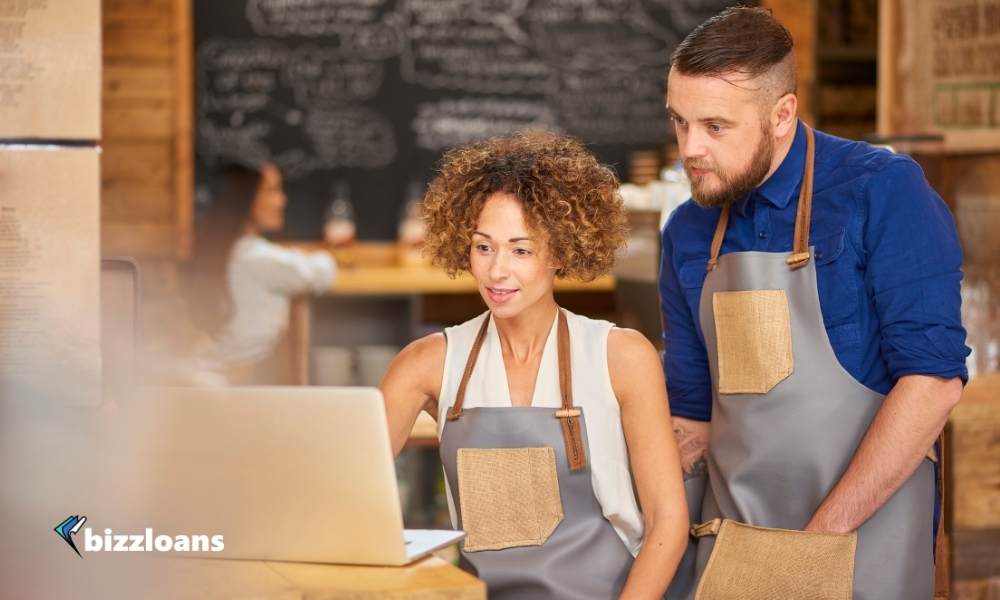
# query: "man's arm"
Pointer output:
{"type": "Point", "coordinates": [692, 440]}
{"type": "Point", "coordinates": [685, 363]}
{"type": "Point", "coordinates": [899, 437]}
{"type": "Point", "coordinates": [912, 262]}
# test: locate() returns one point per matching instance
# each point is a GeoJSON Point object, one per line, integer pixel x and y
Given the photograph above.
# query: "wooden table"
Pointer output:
{"type": "Point", "coordinates": [425, 579]}
{"type": "Point", "coordinates": [182, 578]}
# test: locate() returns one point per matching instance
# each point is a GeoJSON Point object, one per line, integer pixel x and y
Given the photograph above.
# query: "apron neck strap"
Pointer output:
{"type": "Point", "coordinates": [568, 415]}
{"type": "Point", "coordinates": [470, 363]}
{"type": "Point", "coordinates": [803, 215]}
{"type": "Point", "coordinates": [720, 232]}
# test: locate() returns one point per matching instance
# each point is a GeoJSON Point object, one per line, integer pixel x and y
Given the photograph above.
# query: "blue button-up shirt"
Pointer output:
{"type": "Point", "coordinates": [887, 258]}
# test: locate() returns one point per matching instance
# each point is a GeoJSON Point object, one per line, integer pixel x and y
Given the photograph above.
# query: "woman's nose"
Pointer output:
{"type": "Point", "coordinates": [498, 267]}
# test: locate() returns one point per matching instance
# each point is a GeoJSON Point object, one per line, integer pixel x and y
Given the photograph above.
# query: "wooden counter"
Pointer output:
{"type": "Point", "coordinates": [420, 279]}
{"type": "Point", "coordinates": [385, 268]}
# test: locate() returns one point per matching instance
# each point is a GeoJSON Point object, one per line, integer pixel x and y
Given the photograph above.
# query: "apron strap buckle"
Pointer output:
{"type": "Point", "coordinates": [707, 528]}
{"type": "Point", "coordinates": [569, 422]}
{"type": "Point", "coordinates": [798, 259]}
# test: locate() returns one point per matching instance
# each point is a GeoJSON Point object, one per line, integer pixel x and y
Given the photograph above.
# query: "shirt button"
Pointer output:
{"type": "Point", "coordinates": [762, 234]}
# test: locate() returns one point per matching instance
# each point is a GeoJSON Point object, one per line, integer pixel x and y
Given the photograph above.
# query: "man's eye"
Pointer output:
{"type": "Point", "coordinates": [678, 121]}
{"type": "Point", "coordinates": [715, 128]}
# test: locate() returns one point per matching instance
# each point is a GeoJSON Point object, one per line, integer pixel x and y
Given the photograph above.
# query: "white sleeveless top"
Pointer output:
{"type": "Point", "coordinates": [608, 456]}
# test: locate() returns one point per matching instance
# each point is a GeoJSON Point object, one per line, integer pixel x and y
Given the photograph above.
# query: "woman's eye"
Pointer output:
{"type": "Point", "coordinates": [482, 248]}
{"type": "Point", "coordinates": [522, 252]}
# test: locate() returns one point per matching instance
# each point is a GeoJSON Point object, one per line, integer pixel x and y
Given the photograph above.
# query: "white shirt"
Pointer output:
{"type": "Point", "coordinates": [610, 474]}
{"type": "Point", "coordinates": [263, 277]}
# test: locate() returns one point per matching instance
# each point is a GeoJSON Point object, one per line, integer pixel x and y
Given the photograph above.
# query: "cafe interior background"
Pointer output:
{"type": "Point", "coordinates": [116, 117]}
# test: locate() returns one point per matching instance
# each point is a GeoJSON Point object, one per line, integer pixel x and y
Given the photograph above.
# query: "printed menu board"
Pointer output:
{"type": "Point", "coordinates": [50, 69]}
{"type": "Point", "coordinates": [50, 274]}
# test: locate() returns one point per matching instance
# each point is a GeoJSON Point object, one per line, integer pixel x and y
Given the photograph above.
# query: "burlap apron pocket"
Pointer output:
{"type": "Point", "coordinates": [759, 563]}
{"type": "Point", "coordinates": [508, 497]}
{"type": "Point", "coordinates": [754, 334]}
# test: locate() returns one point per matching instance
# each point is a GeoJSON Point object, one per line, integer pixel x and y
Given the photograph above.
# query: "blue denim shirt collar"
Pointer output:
{"type": "Point", "coordinates": [779, 187]}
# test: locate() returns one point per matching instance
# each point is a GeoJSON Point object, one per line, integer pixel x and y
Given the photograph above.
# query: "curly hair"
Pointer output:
{"type": "Point", "coordinates": [564, 192]}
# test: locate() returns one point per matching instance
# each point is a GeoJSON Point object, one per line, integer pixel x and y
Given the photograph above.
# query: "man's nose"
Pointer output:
{"type": "Point", "coordinates": [691, 145]}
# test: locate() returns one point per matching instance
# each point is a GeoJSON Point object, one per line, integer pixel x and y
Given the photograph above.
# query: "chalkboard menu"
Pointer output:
{"type": "Point", "coordinates": [371, 92]}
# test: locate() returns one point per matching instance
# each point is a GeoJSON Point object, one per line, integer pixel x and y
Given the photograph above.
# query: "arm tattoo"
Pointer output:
{"type": "Point", "coordinates": [692, 449]}
{"type": "Point", "coordinates": [698, 469]}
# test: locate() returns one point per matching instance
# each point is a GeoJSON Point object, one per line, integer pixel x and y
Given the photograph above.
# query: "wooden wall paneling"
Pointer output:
{"type": "Point", "coordinates": [138, 162]}
{"type": "Point", "coordinates": [138, 120]}
{"type": "Point", "coordinates": [135, 8]}
{"type": "Point", "coordinates": [144, 240]}
{"type": "Point", "coordinates": [139, 203]}
{"type": "Point", "coordinates": [799, 17]}
{"type": "Point", "coordinates": [137, 38]}
{"type": "Point", "coordinates": [138, 81]}
{"type": "Point", "coordinates": [147, 169]}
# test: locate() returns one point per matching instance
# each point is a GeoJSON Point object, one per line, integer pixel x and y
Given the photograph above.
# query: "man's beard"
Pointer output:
{"type": "Point", "coordinates": [734, 187]}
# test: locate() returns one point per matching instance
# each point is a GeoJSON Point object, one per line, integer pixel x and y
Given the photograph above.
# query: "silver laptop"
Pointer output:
{"type": "Point", "coordinates": [283, 473]}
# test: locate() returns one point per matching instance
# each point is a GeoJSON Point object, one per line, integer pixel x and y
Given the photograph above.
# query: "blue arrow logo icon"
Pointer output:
{"type": "Point", "coordinates": [68, 527]}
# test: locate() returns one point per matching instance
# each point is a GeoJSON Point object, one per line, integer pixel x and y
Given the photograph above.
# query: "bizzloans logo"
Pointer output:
{"type": "Point", "coordinates": [144, 542]}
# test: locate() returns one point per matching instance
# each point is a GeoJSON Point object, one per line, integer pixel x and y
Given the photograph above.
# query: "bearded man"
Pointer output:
{"type": "Point", "coordinates": [812, 333]}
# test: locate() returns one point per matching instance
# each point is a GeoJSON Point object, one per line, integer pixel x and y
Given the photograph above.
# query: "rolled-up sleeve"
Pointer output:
{"type": "Point", "coordinates": [914, 274]}
{"type": "Point", "coordinates": [685, 362]}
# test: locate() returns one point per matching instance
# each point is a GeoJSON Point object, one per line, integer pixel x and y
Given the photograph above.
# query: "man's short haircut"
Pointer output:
{"type": "Point", "coordinates": [744, 40]}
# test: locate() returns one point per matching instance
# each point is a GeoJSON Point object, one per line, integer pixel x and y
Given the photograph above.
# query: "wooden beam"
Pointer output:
{"type": "Point", "coordinates": [888, 49]}
{"type": "Point", "coordinates": [183, 24]}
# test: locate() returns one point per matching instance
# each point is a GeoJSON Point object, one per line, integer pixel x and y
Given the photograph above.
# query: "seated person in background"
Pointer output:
{"type": "Point", "coordinates": [546, 419]}
{"type": "Point", "coordinates": [240, 283]}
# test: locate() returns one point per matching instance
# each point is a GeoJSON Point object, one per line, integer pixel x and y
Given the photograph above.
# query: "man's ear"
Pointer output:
{"type": "Point", "coordinates": [784, 115]}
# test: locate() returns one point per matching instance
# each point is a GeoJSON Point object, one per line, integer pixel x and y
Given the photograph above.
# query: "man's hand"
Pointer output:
{"type": "Point", "coordinates": [692, 440]}
{"type": "Point", "coordinates": [904, 428]}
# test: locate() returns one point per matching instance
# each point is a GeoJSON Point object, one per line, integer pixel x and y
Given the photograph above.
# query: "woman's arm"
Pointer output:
{"type": "Point", "coordinates": [637, 379]}
{"type": "Point", "coordinates": [287, 270]}
{"type": "Point", "coordinates": [412, 384]}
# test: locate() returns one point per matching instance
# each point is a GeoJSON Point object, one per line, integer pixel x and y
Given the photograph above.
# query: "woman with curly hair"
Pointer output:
{"type": "Point", "coordinates": [549, 422]}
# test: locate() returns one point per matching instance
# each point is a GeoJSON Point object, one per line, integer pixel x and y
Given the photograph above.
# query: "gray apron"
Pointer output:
{"type": "Point", "coordinates": [583, 557]}
{"type": "Point", "coordinates": [787, 422]}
